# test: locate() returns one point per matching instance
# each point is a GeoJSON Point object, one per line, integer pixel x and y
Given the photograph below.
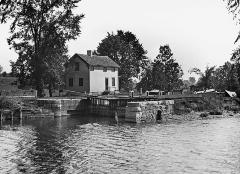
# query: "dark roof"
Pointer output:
{"type": "Point", "coordinates": [93, 60]}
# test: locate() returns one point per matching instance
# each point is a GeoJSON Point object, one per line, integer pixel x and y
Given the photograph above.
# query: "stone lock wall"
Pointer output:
{"type": "Point", "coordinates": [138, 112]}
{"type": "Point", "coordinates": [60, 107]}
{"type": "Point", "coordinates": [106, 111]}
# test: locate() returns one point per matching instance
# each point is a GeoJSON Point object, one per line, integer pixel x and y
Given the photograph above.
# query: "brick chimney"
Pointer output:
{"type": "Point", "coordinates": [89, 53]}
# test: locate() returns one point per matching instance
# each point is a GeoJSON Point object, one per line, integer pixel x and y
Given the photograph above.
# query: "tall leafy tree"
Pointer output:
{"type": "Point", "coordinates": [21, 68]}
{"type": "Point", "coordinates": [146, 82]}
{"type": "Point", "coordinates": [40, 30]}
{"type": "Point", "coordinates": [166, 72]}
{"type": "Point", "coordinates": [233, 6]}
{"type": "Point", "coordinates": [206, 77]}
{"type": "Point", "coordinates": [233, 79]}
{"type": "Point", "coordinates": [1, 68]}
{"type": "Point", "coordinates": [126, 50]}
{"type": "Point", "coordinates": [236, 59]}
{"type": "Point", "coordinates": [233, 3]}
{"type": "Point", "coordinates": [225, 77]}
{"type": "Point", "coordinates": [192, 80]}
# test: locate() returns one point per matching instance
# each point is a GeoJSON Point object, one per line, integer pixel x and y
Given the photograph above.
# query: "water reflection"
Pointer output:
{"type": "Point", "coordinates": [99, 145]}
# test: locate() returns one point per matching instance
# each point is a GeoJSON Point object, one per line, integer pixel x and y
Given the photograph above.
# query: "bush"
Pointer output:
{"type": "Point", "coordinates": [9, 103]}
{"type": "Point", "coordinates": [215, 112]}
{"type": "Point", "coordinates": [106, 92]}
{"type": "Point", "coordinates": [203, 115]}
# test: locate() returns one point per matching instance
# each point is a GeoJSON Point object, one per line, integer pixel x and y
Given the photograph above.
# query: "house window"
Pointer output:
{"type": "Point", "coordinates": [70, 82]}
{"type": "Point", "coordinates": [80, 81]}
{"type": "Point", "coordinates": [91, 68]}
{"type": "Point", "coordinates": [113, 69]}
{"type": "Point", "coordinates": [105, 69]}
{"type": "Point", "coordinates": [106, 84]}
{"type": "Point", "coordinates": [76, 66]}
{"type": "Point", "coordinates": [113, 81]}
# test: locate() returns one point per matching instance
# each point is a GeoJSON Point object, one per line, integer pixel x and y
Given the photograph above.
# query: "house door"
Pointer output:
{"type": "Point", "coordinates": [106, 84]}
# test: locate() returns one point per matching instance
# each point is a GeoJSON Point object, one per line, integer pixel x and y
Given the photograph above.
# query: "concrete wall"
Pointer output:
{"type": "Point", "coordinates": [106, 111]}
{"type": "Point", "coordinates": [61, 107]}
{"type": "Point", "coordinates": [82, 73]}
{"type": "Point", "coordinates": [138, 112]}
{"type": "Point", "coordinates": [97, 79]}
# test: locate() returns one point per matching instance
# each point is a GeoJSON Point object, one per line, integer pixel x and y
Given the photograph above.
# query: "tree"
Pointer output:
{"type": "Point", "coordinates": [236, 68]}
{"type": "Point", "coordinates": [205, 80]}
{"type": "Point", "coordinates": [146, 82]}
{"type": "Point", "coordinates": [192, 80]}
{"type": "Point", "coordinates": [21, 69]}
{"type": "Point", "coordinates": [40, 30]}
{"type": "Point", "coordinates": [166, 72]}
{"type": "Point", "coordinates": [1, 68]}
{"type": "Point", "coordinates": [125, 49]}
{"type": "Point", "coordinates": [4, 74]}
{"type": "Point", "coordinates": [233, 79]}
{"type": "Point", "coordinates": [233, 6]}
{"type": "Point", "coordinates": [225, 77]}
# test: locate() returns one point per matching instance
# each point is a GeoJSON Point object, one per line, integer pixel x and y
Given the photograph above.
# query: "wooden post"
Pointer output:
{"type": "Point", "coordinates": [1, 113]}
{"type": "Point", "coordinates": [20, 115]}
{"type": "Point", "coordinates": [116, 116]}
{"type": "Point", "coordinates": [12, 116]}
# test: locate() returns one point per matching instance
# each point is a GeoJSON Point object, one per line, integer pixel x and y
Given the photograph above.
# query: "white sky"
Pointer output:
{"type": "Point", "coordinates": [199, 32]}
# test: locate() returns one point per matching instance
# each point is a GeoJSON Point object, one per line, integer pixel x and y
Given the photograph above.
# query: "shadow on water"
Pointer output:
{"type": "Point", "coordinates": [92, 144]}
{"type": "Point", "coordinates": [41, 144]}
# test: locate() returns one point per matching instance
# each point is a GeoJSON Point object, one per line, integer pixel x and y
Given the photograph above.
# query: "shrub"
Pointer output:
{"type": "Point", "coordinates": [9, 103]}
{"type": "Point", "coordinates": [203, 115]}
{"type": "Point", "coordinates": [106, 92]}
{"type": "Point", "coordinates": [215, 112]}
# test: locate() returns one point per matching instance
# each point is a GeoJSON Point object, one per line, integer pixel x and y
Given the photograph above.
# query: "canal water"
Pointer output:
{"type": "Point", "coordinates": [99, 145]}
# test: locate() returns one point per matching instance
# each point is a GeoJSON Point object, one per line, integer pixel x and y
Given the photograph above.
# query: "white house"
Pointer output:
{"type": "Point", "coordinates": [90, 73]}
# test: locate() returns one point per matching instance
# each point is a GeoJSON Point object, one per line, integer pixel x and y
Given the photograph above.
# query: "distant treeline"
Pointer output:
{"type": "Point", "coordinates": [40, 31]}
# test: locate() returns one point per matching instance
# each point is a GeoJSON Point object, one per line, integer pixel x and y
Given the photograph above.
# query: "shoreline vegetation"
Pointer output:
{"type": "Point", "coordinates": [204, 115]}
{"type": "Point", "coordinates": [42, 60]}
{"type": "Point", "coordinates": [10, 104]}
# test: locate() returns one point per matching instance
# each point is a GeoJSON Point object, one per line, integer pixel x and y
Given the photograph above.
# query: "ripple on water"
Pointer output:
{"type": "Point", "coordinates": [74, 146]}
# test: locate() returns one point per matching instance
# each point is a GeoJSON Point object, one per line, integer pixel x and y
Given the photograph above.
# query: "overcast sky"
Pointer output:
{"type": "Point", "coordinates": [199, 32]}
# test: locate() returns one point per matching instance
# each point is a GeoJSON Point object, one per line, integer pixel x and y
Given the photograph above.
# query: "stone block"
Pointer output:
{"type": "Point", "coordinates": [132, 114]}
{"type": "Point", "coordinates": [130, 119]}
{"type": "Point", "coordinates": [133, 109]}
{"type": "Point", "coordinates": [133, 104]}
{"type": "Point", "coordinates": [147, 111]}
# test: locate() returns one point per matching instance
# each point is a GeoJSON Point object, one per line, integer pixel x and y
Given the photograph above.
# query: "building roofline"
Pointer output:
{"type": "Point", "coordinates": [88, 63]}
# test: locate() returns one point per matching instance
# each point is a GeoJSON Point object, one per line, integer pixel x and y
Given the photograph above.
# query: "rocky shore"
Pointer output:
{"type": "Point", "coordinates": [199, 116]}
